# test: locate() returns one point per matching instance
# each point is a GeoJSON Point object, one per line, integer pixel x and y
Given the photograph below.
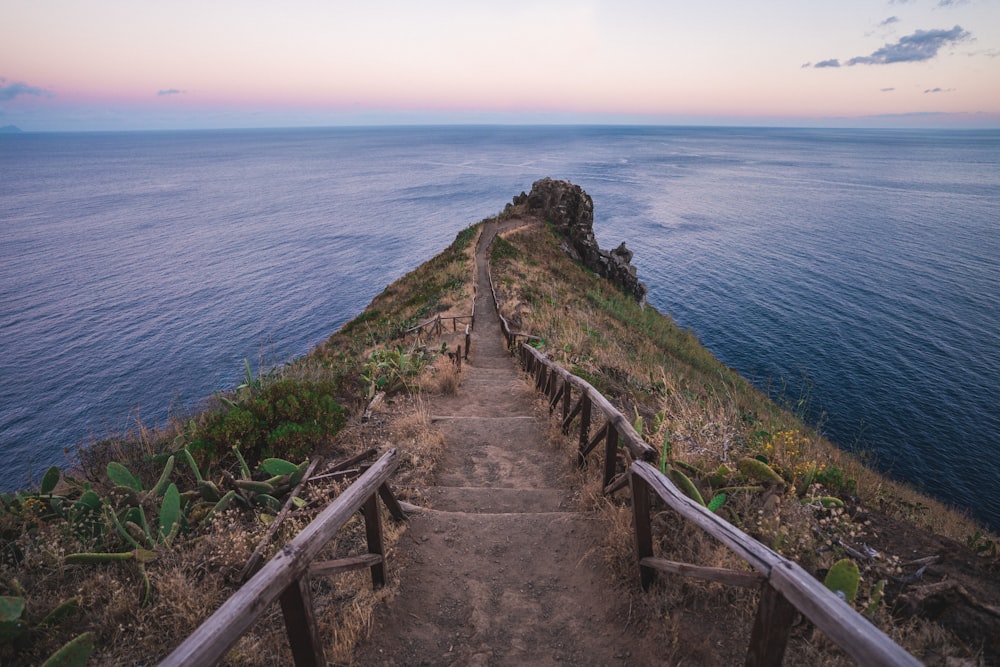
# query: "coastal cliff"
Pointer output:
{"type": "Point", "coordinates": [570, 210]}
{"type": "Point", "coordinates": [927, 573]}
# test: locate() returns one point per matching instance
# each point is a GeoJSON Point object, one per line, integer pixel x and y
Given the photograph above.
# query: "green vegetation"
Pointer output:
{"type": "Point", "coordinates": [124, 553]}
{"type": "Point", "coordinates": [843, 579]}
{"type": "Point", "coordinates": [285, 418]}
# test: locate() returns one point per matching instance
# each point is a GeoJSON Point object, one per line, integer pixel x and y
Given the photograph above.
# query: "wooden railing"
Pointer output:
{"type": "Point", "coordinates": [436, 323]}
{"type": "Point", "coordinates": [437, 328]}
{"type": "Point", "coordinates": [784, 586]}
{"type": "Point", "coordinates": [286, 576]}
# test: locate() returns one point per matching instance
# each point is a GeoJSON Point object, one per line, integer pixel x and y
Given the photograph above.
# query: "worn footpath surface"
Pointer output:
{"type": "Point", "coordinates": [500, 569]}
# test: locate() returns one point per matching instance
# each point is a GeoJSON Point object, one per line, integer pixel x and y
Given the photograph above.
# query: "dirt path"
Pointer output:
{"type": "Point", "coordinates": [500, 569]}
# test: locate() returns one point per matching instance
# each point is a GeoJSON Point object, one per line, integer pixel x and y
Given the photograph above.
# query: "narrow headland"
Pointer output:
{"type": "Point", "coordinates": [514, 552]}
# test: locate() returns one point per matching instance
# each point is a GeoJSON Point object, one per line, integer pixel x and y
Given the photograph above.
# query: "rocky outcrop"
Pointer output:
{"type": "Point", "coordinates": [571, 212]}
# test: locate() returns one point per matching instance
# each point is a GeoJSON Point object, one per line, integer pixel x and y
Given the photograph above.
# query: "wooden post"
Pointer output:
{"type": "Point", "coordinates": [209, 642]}
{"type": "Point", "coordinates": [458, 358]}
{"type": "Point", "coordinates": [567, 400]}
{"type": "Point", "coordinates": [573, 413]}
{"type": "Point", "coordinates": [771, 628]}
{"type": "Point", "coordinates": [554, 399]}
{"type": "Point", "coordinates": [581, 457]}
{"type": "Point", "coordinates": [373, 532]}
{"type": "Point", "coordinates": [643, 528]}
{"type": "Point", "coordinates": [468, 342]}
{"type": "Point", "coordinates": [395, 509]}
{"type": "Point", "coordinates": [585, 421]}
{"type": "Point", "coordinates": [610, 455]}
{"type": "Point", "coordinates": [300, 624]}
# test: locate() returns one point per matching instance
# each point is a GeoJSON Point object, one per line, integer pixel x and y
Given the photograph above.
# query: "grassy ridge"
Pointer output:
{"type": "Point", "coordinates": [756, 463]}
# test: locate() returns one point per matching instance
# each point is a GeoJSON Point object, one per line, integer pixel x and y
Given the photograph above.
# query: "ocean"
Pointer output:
{"type": "Point", "coordinates": [854, 274]}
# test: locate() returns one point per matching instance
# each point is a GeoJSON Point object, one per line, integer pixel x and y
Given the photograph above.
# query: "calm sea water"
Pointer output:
{"type": "Point", "coordinates": [857, 269]}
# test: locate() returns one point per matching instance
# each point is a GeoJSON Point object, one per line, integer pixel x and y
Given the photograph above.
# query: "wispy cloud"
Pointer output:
{"type": "Point", "coordinates": [886, 90]}
{"type": "Point", "coordinates": [952, 3]}
{"type": "Point", "coordinates": [170, 91]}
{"type": "Point", "coordinates": [16, 89]}
{"type": "Point", "coordinates": [889, 21]}
{"type": "Point", "coordinates": [921, 46]}
{"type": "Point", "coordinates": [939, 90]}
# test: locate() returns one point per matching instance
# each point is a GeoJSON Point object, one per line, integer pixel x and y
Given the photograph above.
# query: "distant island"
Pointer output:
{"type": "Point", "coordinates": [11, 129]}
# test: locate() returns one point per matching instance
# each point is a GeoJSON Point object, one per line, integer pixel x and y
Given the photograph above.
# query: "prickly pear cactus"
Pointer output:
{"type": "Point", "coordinates": [760, 471]}
{"type": "Point", "coordinates": [685, 484]}
{"type": "Point", "coordinates": [843, 579]}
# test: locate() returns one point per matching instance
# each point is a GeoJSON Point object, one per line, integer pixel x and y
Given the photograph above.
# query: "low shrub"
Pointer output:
{"type": "Point", "coordinates": [285, 419]}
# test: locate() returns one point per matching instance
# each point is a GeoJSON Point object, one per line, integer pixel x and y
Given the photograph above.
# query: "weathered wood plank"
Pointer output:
{"type": "Point", "coordinates": [395, 509]}
{"type": "Point", "coordinates": [842, 624]}
{"type": "Point", "coordinates": [639, 448]}
{"type": "Point", "coordinates": [209, 643]}
{"type": "Point", "coordinates": [573, 413]}
{"type": "Point", "coordinates": [838, 620]}
{"type": "Point", "coordinates": [585, 420]}
{"type": "Point", "coordinates": [300, 624]}
{"type": "Point", "coordinates": [341, 565]}
{"type": "Point", "coordinates": [567, 398]}
{"type": "Point", "coordinates": [641, 522]}
{"type": "Point", "coordinates": [771, 627]}
{"type": "Point", "coordinates": [347, 463]}
{"type": "Point", "coordinates": [610, 456]}
{"type": "Point", "coordinates": [756, 554]}
{"type": "Point", "coordinates": [617, 484]}
{"type": "Point", "coordinates": [373, 534]}
{"type": "Point", "coordinates": [718, 574]}
{"type": "Point", "coordinates": [554, 401]}
{"type": "Point", "coordinates": [589, 447]}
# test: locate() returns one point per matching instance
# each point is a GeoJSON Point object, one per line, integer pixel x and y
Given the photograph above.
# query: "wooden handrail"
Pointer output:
{"type": "Point", "coordinates": [851, 631]}
{"type": "Point", "coordinates": [285, 576]}
{"type": "Point", "coordinates": [786, 587]}
{"type": "Point", "coordinates": [437, 319]}
{"type": "Point", "coordinates": [630, 439]}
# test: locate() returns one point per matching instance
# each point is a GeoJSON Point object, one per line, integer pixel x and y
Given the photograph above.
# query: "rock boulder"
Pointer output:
{"type": "Point", "coordinates": [571, 212]}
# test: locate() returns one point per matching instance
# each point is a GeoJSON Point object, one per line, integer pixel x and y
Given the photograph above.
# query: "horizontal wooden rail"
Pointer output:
{"type": "Point", "coordinates": [787, 585]}
{"type": "Point", "coordinates": [566, 382]}
{"type": "Point", "coordinates": [435, 323]}
{"type": "Point", "coordinates": [286, 577]}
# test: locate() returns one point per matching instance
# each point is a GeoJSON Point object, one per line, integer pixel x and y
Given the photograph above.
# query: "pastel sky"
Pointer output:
{"type": "Point", "coordinates": [138, 64]}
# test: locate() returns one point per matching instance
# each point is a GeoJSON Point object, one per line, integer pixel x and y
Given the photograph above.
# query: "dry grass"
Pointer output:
{"type": "Point", "coordinates": [707, 413]}
{"type": "Point", "coordinates": [442, 377]}
{"type": "Point", "coordinates": [700, 413]}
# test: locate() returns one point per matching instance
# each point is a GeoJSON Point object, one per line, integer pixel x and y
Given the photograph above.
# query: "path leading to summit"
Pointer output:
{"type": "Point", "coordinates": [500, 568]}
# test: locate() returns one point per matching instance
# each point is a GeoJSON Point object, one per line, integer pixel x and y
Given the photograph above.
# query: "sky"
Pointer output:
{"type": "Point", "coordinates": [67, 65]}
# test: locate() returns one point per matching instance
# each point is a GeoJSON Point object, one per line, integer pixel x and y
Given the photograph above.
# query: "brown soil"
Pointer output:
{"type": "Point", "coordinates": [500, 568]}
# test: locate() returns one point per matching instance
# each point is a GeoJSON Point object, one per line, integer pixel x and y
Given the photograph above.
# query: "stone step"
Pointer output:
{"type": "Point", "coordinates": [492, 500]}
